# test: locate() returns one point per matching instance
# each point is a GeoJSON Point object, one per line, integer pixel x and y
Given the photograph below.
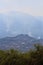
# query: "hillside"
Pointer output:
{"type": "Point", "coordinates": [21, 42]}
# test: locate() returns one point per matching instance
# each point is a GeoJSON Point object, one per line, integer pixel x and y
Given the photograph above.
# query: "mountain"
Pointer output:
{"type": "Point", "coordinates": [15, 23]}
{"type": "Point", "coordinates": [21, 42]}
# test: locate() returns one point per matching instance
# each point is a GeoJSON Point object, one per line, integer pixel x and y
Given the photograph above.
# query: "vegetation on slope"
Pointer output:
{"type": "Point", "coordinates": [12, 57]}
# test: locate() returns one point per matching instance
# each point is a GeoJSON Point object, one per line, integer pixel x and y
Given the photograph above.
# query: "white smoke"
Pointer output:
{"type": "Point", "coordinates": [30, 34]}
{"type": "Point", "coordinates": [38, 37]}
{"type": "Point", "coordinates": [8, 23]}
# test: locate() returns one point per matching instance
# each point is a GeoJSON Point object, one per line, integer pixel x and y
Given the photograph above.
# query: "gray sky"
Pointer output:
{"type": "Point", "coordinates": [33, 7]}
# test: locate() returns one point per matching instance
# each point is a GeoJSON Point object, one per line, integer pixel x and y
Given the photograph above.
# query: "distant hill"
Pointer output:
{"type": "Point", "coordinates": [21, 42]}
{"type": "Point", "coordinates": [15, 23]}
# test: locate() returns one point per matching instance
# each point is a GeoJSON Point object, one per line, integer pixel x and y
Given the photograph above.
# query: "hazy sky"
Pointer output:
{"type": "Point", "coordinates": [33, 7]}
